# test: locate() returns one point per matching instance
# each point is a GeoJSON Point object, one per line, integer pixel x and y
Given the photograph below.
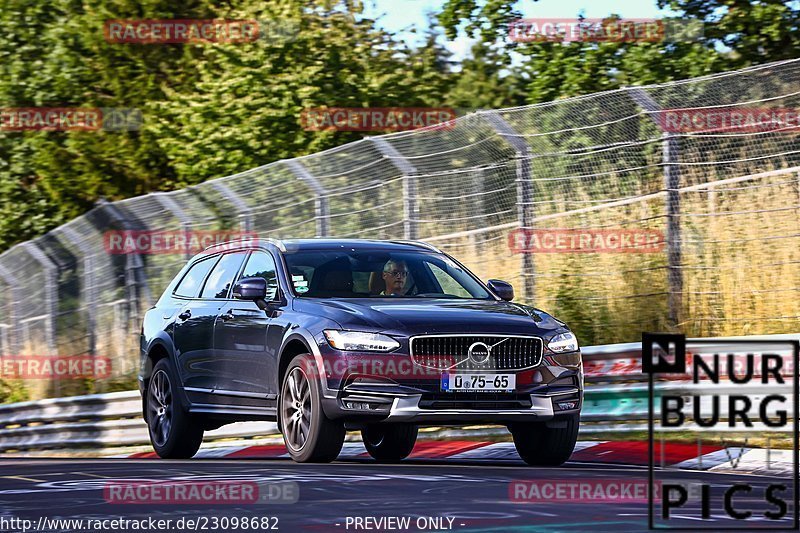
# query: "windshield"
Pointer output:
{"type": "Point", "coordinates": [380, 274]}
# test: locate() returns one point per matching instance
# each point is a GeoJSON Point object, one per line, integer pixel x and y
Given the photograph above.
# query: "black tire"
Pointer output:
{"type": "Point", "coordinates": [389, 443]}
{"type": "Point", "coordinates": [210, 425]}
{"type": "Point", "coordinates": [174, 433]}
{"type": "Point", "coordinates": [310, 437]}
{"type": "Point", "coordinates": [539, 445]}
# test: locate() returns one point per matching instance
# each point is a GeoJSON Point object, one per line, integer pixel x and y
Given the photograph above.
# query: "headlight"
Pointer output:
{"type": "Point", "coordinates": [563, 342]}
{"type": "Point", "coordinates": [359, 341]}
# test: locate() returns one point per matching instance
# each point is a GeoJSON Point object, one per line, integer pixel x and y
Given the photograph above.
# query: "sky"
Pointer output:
{"type": "Point", "coordinates": [398, 16]}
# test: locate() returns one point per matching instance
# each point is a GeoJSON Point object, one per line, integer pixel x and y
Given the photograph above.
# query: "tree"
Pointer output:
{"type": "Point", "coordinates": [736, 33]}
{"type": "Point", "coordinates": [209, 109]}
{"type": "Point", "coordinates": [755, 31]}
{"type": "Point", "coordinates": [246, 109]}
{"type": "Point", "coordinates": [55, 55]}
{"type": "Point", "coordinates": [485, 82]}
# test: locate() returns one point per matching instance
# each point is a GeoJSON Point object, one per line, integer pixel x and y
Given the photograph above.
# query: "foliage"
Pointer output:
{"type": "Point", "coordinates": [735, 34]}
{"type": "Point", "coordinates": [216, 109]}
{"type": "Point", "coordinates": [208, 109]}
{"type": "Point", "coordinates": [13, 390]}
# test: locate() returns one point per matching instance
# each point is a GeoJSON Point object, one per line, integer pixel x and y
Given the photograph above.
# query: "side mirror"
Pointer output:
{"type": "Point", "coordinates": [250, 289]}
{"type": "Point", "coordinates": [503, 289]}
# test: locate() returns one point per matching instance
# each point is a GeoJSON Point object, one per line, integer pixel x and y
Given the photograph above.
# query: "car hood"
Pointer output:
{"type": "Point", "coordinates": [409, 316]}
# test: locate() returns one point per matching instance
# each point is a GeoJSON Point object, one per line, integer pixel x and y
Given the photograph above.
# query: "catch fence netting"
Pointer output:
{"type": "Point", "coordinates": [490, 188]}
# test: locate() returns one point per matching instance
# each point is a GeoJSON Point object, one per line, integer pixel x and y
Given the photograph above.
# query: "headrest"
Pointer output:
{"type": "Point", "coordinates": [376, 284]}
{"type": "Point", "coordinates": [337, 280]}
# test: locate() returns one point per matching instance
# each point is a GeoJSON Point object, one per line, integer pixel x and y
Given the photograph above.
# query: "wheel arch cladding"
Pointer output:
{"type": "Point", "coordinates": [292, 349]}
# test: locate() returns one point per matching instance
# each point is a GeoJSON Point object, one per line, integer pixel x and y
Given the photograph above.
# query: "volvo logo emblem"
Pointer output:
{"type": "Point", "coordinates": [479, 352]}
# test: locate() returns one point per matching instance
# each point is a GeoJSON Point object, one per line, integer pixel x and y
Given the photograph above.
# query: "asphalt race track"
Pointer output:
{"type": "Point", "coordinates": [475, 495]}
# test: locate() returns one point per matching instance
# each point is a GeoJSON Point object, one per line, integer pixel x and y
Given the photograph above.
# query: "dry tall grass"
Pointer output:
{"type": "Point", "coordinates": [740, 265]}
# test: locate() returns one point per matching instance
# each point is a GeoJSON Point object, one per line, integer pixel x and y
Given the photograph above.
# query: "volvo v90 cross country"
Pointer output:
{"type": "Point", "coordinates": [325, 336]}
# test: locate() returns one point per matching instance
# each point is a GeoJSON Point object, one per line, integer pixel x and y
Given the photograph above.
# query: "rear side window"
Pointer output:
{"type": "Point", "coordinates": [221, 278]}
{"type": "Point", "coordinates": [261, 265]}
{"type": "Point", "coordinates": [193, 279]}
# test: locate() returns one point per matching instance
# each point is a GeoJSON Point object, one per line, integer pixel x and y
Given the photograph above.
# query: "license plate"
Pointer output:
{"type": "Point", "coordinates": [478, 382]}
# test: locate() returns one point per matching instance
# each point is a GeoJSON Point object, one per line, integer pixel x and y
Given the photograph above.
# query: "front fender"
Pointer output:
{"type": "Point", "coordinates": [307, 338]}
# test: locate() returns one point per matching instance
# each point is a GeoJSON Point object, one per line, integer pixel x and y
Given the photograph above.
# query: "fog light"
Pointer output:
{"type": "Point", "coordinates": [566, 406]}
{"type": "Point", "coordinates": [356, 405]}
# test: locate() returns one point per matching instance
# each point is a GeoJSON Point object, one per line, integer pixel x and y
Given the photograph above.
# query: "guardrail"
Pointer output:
{"type": "Point", "coordinates": [99, 420]}
{"type": "Point", "coordinates": [615, 400]}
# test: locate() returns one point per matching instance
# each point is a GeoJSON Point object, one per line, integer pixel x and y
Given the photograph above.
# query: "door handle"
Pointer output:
{"type": "Point", "coordinates": [185, 315]}
{"type": "Point", "coordinates": [228, 316]}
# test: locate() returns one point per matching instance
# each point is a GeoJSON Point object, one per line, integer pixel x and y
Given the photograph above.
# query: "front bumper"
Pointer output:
{"type": "Point", "coordinates": [406, 393]}
{"type": "Point", "coordinates": [420, 409]}
{"type": "Point", "coordinates": [408, 410]}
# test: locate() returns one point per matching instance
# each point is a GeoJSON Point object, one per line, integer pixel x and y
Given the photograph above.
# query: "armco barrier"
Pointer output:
{"type": "Point", "coordinates": [97, 420]}
{"type": "Point", "coordinates": [615, 400]}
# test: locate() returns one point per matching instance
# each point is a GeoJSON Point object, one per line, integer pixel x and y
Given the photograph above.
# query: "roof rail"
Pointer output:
{"type": "Point", "coordinates": [421, 244]}
{"type": "Point", "coordinates": [278, 243]}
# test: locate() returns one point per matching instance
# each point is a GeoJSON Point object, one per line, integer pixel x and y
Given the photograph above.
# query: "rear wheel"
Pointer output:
{"type": "Point", "coordinates": [389, 443]}
{"type": "Point", "coordinates": [540, 445]}
{"type": "Point", "coordinates": [174, 434]}
{"type": "Point", "coordinates": [310, 436]}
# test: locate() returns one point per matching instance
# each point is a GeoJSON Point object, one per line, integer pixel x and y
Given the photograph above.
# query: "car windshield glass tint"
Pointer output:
{"type": "Point", "coordinates": [379, 274]}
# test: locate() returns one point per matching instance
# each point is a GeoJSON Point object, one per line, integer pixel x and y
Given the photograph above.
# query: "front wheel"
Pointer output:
{"type": "Point", "coordinates": [309, 435]}
{"type": "Point", "coordinates": [174, 434]}
{"type": "Point", "coordinates": [540, 445]}
{"type": "Point", "coordinates": [389, 443]}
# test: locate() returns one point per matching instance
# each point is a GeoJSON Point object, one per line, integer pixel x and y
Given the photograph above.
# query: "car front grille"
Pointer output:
{"type": "Point", "coordinates": [453, 351]}
{"type": "Point", "coordinates": [478, 400]}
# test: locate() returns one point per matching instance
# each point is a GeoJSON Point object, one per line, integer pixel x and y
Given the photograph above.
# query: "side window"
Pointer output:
{"type": "Point", "coordinates": [221, 277]}
{"type": "Point", "coordinates": [261, 265]}
{"type": "Point", "coordinates": [189, 286]}
{"type": "Point", "coordinates": [447, 283]}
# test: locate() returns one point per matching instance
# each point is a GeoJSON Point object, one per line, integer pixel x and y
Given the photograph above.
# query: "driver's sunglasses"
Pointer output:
{"type": "Point", "coordinates": [397, 273]}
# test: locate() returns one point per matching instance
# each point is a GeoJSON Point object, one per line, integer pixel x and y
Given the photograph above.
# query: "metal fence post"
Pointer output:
{"type": "Point", "coordinates": [137, 288]}
{"type": "Point", "coordinates": [321, 205]}
{"type": "Point", "coordinates": [14, 340]}
{"type": "Point", "coordinates": [89, 289]}
{"type": "Point", "coordinates": [525, 211]}
{"type": "Point", "coordinates": [410, 207]}
{"type": "Point", "coordinates": [672, 178]}
{"type": "Point", "coordinates": [50, 291]}
{"type": "Point", "coordinates": [243, 210]}
{"type": "Point", "coordinates": [172, 206]}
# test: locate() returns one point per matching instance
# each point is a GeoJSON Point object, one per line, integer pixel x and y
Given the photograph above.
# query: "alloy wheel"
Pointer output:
{"type": "Point", "coordinates": [296, 409]}
{"type": "Point", "coordinates": [160, 406]}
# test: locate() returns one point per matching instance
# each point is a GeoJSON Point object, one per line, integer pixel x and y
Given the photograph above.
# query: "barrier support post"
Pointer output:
{"type": "Point", "coordinates": [409, 171]}
{"type": "Point", "coordinates": [670, 158]}
{"type": "Point", "coordinates": [322, 213]}
{"type": "Point", "coordinates": [525, 211]}
{"type": "Point", "coordinates": [89, 288]}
